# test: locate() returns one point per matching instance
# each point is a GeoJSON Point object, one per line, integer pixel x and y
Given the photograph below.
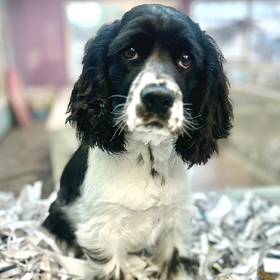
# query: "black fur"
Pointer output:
{"type": "Point", "coordinates": [58, 224]}
{"type": "Point", "coordinates": [189, 265]}
{"type": "Point", "coordinates": [90, 107]}
{"type": "Point", "coordinates": [210, 102]}
{"type": "Point", "coordinates": [73, 175]}
{"type": "Point", "coordinates": [174, 264]}
{"type": "Point", "coordinates": [140, 160]}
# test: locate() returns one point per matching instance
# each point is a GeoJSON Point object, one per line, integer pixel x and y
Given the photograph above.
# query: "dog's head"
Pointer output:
{"type": "Point", "coordinates": [154, 74]}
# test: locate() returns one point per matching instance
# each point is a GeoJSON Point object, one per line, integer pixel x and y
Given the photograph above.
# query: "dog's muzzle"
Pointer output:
{"type": "Point", "coordinates": [154, 105]}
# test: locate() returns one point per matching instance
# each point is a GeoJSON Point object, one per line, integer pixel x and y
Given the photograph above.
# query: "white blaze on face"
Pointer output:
{"type": "Point", "coordinates": [177, 116]}
{"type": "Point", "coordinates": [140, 82]}
{"type": "Point", "coordinates": [145, 78]}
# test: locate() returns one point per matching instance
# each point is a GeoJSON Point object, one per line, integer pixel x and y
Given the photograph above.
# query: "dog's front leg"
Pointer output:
{"type": "Point", "coordinates": [101, 245]}
{"type": "Point", "coordinates": [102, 265]}
{"type": "Point", "coordinates": [171, 256]}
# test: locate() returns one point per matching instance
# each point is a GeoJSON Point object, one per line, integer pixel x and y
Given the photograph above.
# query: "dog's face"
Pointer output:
{"type": "Point", "coordinates": [154, 57]}
{"type": "Point", "coordinates": [155, 100]}
{"type": "Point", "coordinates": [154, 73]}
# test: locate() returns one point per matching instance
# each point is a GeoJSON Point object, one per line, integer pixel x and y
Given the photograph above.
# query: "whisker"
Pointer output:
{"type": "Point", "coordinates": [114, 134]}
{"type": "Point", "coordinates": [191, 125]}
{"type": "Point", "coordinates": [122, 117]}
{"type": "Point", "coordinates": [120, 120]}
{"type": "Point", "coordinates": [122, 129]}
{"type": "Point", "coordinates": [117, 95]}
{"type": "Point", "coordinates": [189, 114]}
{"type": "Point", "coordinates": [118, 106]}
{"type": "Point", "coordinates": [187, 110]}
{"type": "Point", "coordinates": [196, 117]}
{"type": "Point", "coordinates": [119, 129]}
{"type": "Point", "coordinates": [185, 131]}
{"type": "Point", "coordinates": [118, 113]}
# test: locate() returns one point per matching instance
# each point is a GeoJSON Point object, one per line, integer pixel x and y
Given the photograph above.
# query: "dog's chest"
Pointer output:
{"type": "Point", "coordinates": [138, 195]}
{"type": "Point", "coordinates": [143, 179]}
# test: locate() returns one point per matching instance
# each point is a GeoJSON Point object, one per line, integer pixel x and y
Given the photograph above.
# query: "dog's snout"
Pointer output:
{"type": "Point", "coordinates": [157, 99]}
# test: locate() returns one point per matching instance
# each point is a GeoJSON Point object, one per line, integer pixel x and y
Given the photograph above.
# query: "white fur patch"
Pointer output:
{"type": "Point", "coordinates": [177, 116]}
{"type": "Point", "coordinates": [122, 208]}
{"type": "Point", "coordinates": [144, 78]}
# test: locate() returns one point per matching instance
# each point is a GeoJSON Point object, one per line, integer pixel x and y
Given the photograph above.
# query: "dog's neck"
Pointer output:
{"type": "Point", "coordinates": [159, 147]}
{"type": "Point", "coordinates": [153, 152]}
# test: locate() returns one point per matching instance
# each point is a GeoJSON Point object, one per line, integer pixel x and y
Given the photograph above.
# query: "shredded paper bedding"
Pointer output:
{"type": "Point", "coordinates": [231, 240]}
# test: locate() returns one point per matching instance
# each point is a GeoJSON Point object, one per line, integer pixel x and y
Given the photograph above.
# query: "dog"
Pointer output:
{"type": "Point", "coordinates": [152, 100]}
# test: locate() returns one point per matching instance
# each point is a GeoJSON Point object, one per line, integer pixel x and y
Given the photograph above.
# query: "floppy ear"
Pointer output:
{"type": "Point", "coordinates": [89, 107]}
{"type": "Point", "coordinates": [210, 101]}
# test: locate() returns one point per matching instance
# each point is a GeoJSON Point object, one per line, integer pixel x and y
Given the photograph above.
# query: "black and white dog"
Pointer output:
{"type": "Point", "coordinates": [151, 101]}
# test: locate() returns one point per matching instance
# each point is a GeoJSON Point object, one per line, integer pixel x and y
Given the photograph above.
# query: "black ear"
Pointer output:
{"type": "Point", "coordinates": [211, 104]}
{"type": "Point", "coordinates": [89, 107]}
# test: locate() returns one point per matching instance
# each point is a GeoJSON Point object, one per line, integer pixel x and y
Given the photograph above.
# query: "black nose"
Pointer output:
{"type": "Point", "coordinates": [157, 99]}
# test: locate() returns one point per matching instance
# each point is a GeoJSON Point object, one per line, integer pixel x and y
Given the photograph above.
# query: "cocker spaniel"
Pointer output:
{"type": "Point", "coordinates": [152, 100]}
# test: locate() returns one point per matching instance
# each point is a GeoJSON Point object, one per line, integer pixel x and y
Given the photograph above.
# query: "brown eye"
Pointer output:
{"type": "Point", "coordinates": [184, 61]}
{"type": "Point", "coordinates": [130, 53]}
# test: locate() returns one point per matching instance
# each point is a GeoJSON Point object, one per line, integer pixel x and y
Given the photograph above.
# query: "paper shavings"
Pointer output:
{"type": "Point", "coordinates": [231, 240]}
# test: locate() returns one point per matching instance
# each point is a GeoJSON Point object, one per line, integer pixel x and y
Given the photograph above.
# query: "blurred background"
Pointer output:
{"type": "Point", "coordinates": [41, 46]}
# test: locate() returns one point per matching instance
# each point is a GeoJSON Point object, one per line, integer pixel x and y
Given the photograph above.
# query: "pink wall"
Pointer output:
{"type": "Point", "coordinates": [186, 6]}
{"type": "Point", "coordinates": [38, 37]}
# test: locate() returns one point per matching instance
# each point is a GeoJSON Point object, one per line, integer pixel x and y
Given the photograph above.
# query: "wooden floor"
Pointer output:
{"type": "Point", "coordinates": [227, 171]}
{"type": "Point", "coordinates": [24, 158]}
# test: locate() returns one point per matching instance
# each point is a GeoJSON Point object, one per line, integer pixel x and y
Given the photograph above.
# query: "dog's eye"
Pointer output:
{"type": "Point", "coordinates": [184, 61]}
{"type": "Point", "coordinates": [130, 53]}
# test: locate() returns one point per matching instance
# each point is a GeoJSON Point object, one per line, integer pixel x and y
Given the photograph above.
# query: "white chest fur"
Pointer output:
{"type": "Point", "coordinates": [132, 196]}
